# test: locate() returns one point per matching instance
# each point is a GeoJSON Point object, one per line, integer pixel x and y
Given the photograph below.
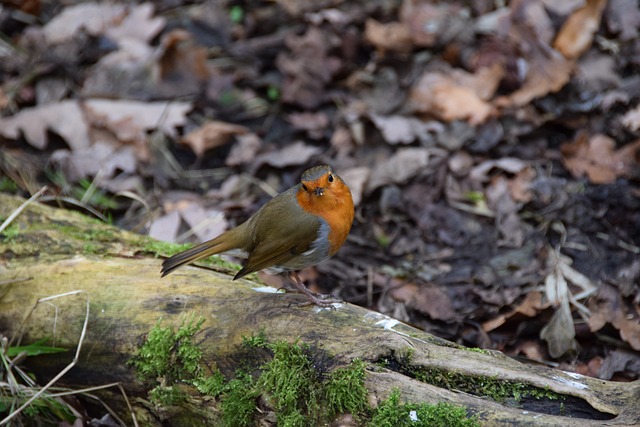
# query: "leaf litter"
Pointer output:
{"type": "Point", "coordinates": [492, 150]}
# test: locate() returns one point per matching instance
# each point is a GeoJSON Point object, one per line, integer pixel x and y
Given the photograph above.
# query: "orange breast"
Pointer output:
{"type": "Point", "coordinates": [335, 206]}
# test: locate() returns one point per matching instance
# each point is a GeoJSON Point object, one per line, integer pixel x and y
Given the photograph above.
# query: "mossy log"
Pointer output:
{"type": "Point", "coordinates": [54, 251]}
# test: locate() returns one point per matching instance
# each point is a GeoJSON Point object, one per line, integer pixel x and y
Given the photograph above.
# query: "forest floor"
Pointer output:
{"type": "Point", "coordinates": [493, 152]}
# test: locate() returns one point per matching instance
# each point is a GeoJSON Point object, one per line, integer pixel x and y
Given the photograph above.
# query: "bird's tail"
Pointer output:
{"type": "Point", "coordinates": [222, 243]}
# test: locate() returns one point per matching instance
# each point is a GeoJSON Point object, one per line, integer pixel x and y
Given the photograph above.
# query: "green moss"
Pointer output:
{"type": "Point", "coordinates": [345, 391]}
{"type": "Point", "coordinates": [171, 356]}
{"type": "Point", "coordinates": [476, 350]}
{"type": "Point", "coordinates": [289, 378]}
{"type": "Point", "coordinates": [159, 248]}
{"type": "Point", "coordinates": [391, 413]}
{"type": "Point", "coordinates": [167, 395]}
{"type": "Point", "coordinates": [91, 248]}
{"type": "Point", "coordinates": [212, 385]}
{"type": "Point", "coordinates": [7, 185]}
{"type": "Point", "coordinates": [497, 389]}
{"type": "Point", "coordinates": [290, 382]}
{"type": "Point", "coordinates": [238, 403]}
{"type": "Point", "coordinates": [258, 340]}
{"type": "Point", "coordinates": [10, 233]}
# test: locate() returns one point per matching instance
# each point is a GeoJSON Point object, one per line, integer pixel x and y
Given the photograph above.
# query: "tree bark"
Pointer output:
{"type": "Point", "coordinates": [54, 251]}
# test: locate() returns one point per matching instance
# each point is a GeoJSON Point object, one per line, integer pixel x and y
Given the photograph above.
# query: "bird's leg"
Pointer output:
{"type": "Point", "coordinates": [313, 299]}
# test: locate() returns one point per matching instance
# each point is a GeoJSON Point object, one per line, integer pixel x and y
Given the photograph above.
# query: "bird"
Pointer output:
{"type": "Point", "coordinates": [300, 227]}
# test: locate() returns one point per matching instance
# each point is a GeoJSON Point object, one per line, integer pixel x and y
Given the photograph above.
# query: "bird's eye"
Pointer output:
{"type": "Point", "coordinates": [330, 178]}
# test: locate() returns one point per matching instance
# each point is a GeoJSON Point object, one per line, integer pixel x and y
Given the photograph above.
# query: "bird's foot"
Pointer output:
{"type": "Point", "coordinates": [320, 302]}
{"type": "Point", "coordinates": [313, 299]}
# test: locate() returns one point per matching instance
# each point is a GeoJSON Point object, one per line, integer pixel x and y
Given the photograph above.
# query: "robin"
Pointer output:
{"type": "Point", "coordinates": [298, 228]}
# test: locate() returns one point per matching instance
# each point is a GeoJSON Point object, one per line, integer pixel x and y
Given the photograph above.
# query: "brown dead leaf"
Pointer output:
{"type": "Point", "coordinates": [434, 23]}
{"type": "Point", "coordinates": [619, 361]}
{"type": "Point", "coordinates": [512, 229]}
{"type": "Point", "coordinates": [356, 179]}
{"type": "Point", "coordinates": [130, 120]}
{"type": "Point", "coordinates": [205, 224]}
{"type": "Point", "coordinates": [101, 159]}
{"type": "Point", "coordinates": [482, 172]}
{"type": "Point", "coordinates": [399, 168]}
{"type": "Point", "coordinates": [576, 35]}
{"type": "Point", "coordinates": [210, 135]}
{"type": "Point", "coordinates": [520, 186]}
{"type": "Point", "coordinates": [307, 67]}
{"type": "Point", "coordinates": [64, 118]}
{"type": "Point", "coordinates": [631, 119]}
{"type": "Point", "coordinates": [294, 154]}
{"type": "Point", "coordinates": [456, 95]}
{"type": "Point", "coordinates": [124, 73]}
{"type": "Point", "coordinates": [244, 150]}
{"type": "Point", "coordinates": [547, 70]}
{"type": "Point", "coordinates": [623, 19]}
{"type": "Point", "coordinates": [430, 300]}
{"type": "Point", "coordinates": [94, 18]}
{"type": "Point", "coordinates": [597, 158]}
{"type": "Point", "coordinates": [559, 332]}
{"type": "Point", "coordinates": [529, 307]}
{"type": "Point", "coordinates": [394, 36]}
{"type": "Point", "coordinates": [314, 123]}
{"type": "Point", "coordinates": [608, 306]}
{"type": "Point", "coordinates": [138, 24]}
{"type": "Point", "coordinates": [182, 62]}
{"type": "Point", "coordinates": [531, 349]}
{"type": "Point", "coordinates": [399, 129]}
{"type": "Point", "coordinates": [165, 227]}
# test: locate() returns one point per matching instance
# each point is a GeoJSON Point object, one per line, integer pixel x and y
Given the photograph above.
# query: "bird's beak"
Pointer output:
{"type": "Point", "coordinates": [319, 191]}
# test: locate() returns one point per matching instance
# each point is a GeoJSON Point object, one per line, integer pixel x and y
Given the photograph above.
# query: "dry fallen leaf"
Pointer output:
{"type": "Point", "coordinates": [165, 227]}
{"type": "Point", "coordinates": [94, 18]}
{"type": "Point", "coordinates": [559, 332]}
{"type": "Point", "coordinates": [399, 129]}
{"type": "Point", "coordinates": [597, 158]}
{"type": "Point", "coordinates": [307, 67]}
{"type": "Point", "coordinates": [130, 120]}
{"type": "Point", "coordinates": [576, 34]}
{"type": "Point", "coordinates": [294, 154]}
{"type": "Point", "coordinates": [210, 135]}
{"type": "Point", "coordinates": [100, 159]}
{"type": "Point", "coordinates": [430, 300]}
{"type": "Point", "coordinates": [399, 168]}
{"type": "Point", "coordinates": [139, 24]}
{"type": "Point", "coordinates": [623, 19]}
{"type": "Point", "coordinates": [508, 223]}
{"type": "Point", "coordinates": [520, 186]}
{"type": "Point", "coordinates": [529, 307]}
{"type": "Point", "coordinates": [481, 172]}
{"type": "Point", "coordinates": [314, 123]}
{"type": "Point", "coordinates": [456, 95]}
{"type": "Point", "coordinates": [394, 36]}
{"type": "Point", "coordinates": [205, 224]}
{"type": "Point", "coordinates": [244, 150]}
{"type": "Point", "coordinates": [356, 179]}
{"type": "Point", "coordinates": [631, 119]}
{"type": "Point", "coordinates": [609, 307]}
{"type": "Point", "coordinates": [64, 118]}
{"type": "Point", "coordinates": [547, 70]}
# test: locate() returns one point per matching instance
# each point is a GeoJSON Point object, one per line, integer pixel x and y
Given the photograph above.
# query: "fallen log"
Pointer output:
{"type": "Point", "coordinates": [115, 275]}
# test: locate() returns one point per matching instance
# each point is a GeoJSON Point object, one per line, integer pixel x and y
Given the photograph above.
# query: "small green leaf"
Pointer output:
{"type": "Point", "coordinates": [34, 349]}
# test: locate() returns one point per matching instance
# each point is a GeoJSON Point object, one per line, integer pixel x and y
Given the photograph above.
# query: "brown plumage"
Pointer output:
{"type": "Point", "coordinates": [298, 228]}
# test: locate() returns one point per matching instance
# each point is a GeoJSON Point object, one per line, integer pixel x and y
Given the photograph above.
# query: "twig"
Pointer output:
{"type": "Point", "coordinates": [21, 208]}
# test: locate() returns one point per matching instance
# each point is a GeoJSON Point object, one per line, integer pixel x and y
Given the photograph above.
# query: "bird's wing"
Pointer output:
{"type": "Point", "coordinates": [282, 240]}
